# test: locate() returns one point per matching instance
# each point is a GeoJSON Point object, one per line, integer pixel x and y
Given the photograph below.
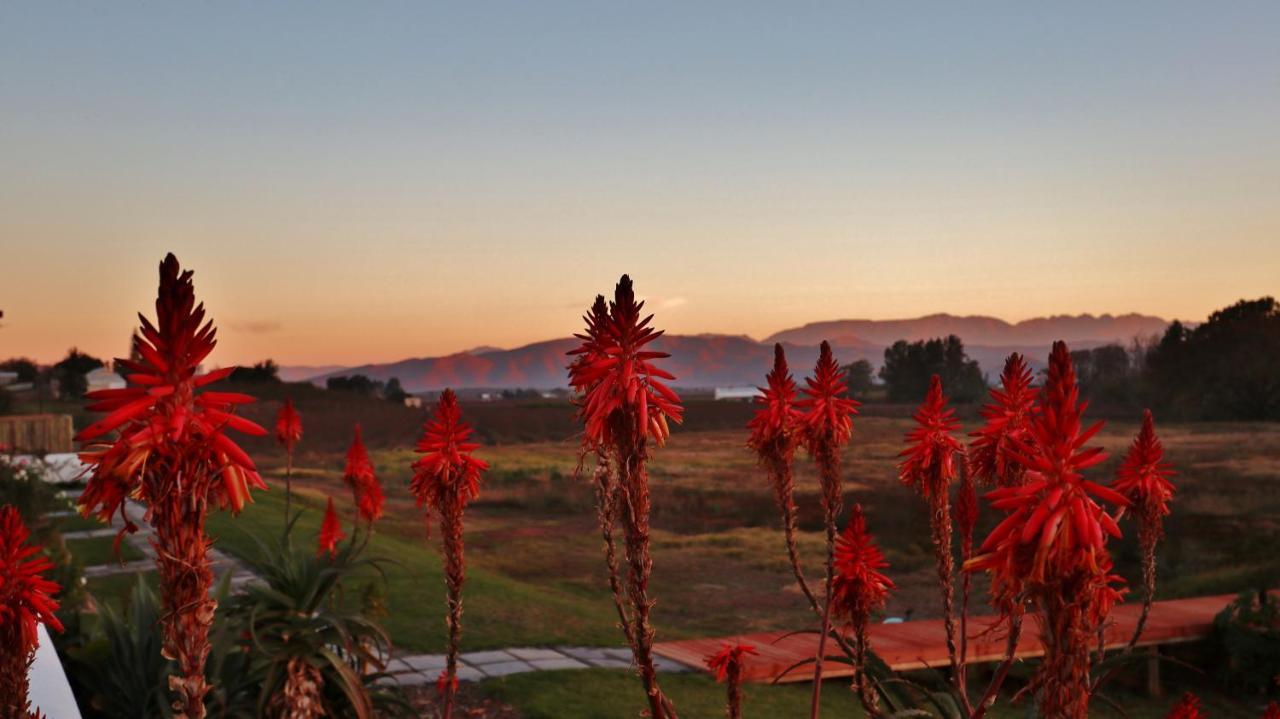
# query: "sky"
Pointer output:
{"type": "Point", "coordinates": [362, 182]}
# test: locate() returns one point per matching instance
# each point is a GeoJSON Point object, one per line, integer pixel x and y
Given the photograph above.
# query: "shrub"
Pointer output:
{"type": "Point", "coordinates": [1247, 635]}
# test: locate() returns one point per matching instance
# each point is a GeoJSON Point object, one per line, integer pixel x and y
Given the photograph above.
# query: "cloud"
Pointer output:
{"type": "Point", "coordinates": [256, 327]}
{"type": "Point", "coordinates": [672, 302]}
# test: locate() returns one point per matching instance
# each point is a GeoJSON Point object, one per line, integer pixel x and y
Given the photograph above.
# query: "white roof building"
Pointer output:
{"type": "Point", "coordinates": [103, 378]}
{"type": "Point", "coordinates": [741, 394]}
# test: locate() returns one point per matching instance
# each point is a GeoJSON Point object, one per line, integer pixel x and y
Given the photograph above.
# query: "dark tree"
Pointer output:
{"type": "Point", "coordinates": [70, 373]}
{"type": "Point", "coordinates": [858, 377]}
{"type": "Point", "coordinates": [394, 392]}
{"type": "Point", "coordinates": [908, 367]}
{"type": "Point", "coordinates": [264, 372]}
{"type": "Point", "coordinates": [356, 384]}
{"type": "Point", "coordinates": [28, 370]}
{"type": "Point", "coordinates": [1225, 368]}
{"type": "Point", "coordinates": [1106, 374]}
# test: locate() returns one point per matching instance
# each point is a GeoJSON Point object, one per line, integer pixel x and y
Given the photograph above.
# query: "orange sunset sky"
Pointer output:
{"type": "Point", "coordinates": [367, 186]}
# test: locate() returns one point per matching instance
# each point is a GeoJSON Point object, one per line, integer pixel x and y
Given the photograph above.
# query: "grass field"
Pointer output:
{"type": "Point", "coordinates": [534, 554]}
{"type": "Point", "coordinates": [101, 550]}
{"type": "Point", "coordinates": [609, 694]}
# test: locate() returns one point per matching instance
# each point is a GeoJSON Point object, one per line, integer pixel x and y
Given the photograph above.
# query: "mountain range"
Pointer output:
{"type": "Point", "coordinates": [710, 360]}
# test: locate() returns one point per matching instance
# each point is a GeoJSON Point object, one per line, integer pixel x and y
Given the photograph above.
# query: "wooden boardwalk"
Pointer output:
{"type": "Point", "coordinates": [922, 644]}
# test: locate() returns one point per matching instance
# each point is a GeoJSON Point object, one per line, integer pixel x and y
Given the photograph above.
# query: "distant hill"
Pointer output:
{"type": "Point", "coordinates": [299, 373]}
{"type": "Point", "coordinates": [710, 360]}
{"type": "Point", "coordinates": [979, 330]}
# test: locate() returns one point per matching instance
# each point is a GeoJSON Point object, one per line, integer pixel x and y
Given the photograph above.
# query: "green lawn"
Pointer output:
{"type": "Point", "coordinates": [76, 523]}
{"type": "Point", "coordinates": [500, 611]}
{"type": "Point", "coordinates": [113, 591]}
{"type": "Point", "coordinates": [608, 694]}
{"type": "Point", "coordinates": [613, 693]}
{"type": "Point", "coordinates": [101, 550]}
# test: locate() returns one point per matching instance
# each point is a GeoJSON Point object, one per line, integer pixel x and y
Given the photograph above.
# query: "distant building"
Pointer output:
{"type": "Point", "coordinates": [413, 401]}
{"type": "Point", "coordinates": [736, 394]}
{"type": "Point", "coordinates": [103, 378]}
{"type": "Point", "coordinates": [8, 378]}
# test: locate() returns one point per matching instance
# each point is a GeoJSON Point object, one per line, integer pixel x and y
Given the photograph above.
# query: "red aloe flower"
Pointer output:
{"type": "Point", "coordinates": [1055, 512]}
{"type": "Point", "coordinates": [774, 437]}
{"type": "Point", "coordinates": [26, 599]}
{"type": "Point", "coordinates": [1007, 416]}
{"type": "Point", "coordinates": [171, 452]}
{"type": "Point", "coordinates": [359, 475]}
{"type": "Point", "coordinates": [929, 459]}
{"type": "Point", "coordinates": [623, 401]}
{"type": "Point", "coordinates": [330, 533]}
{"type": "Point", "coordinates": [446, 683]}
{"type": "Point", "coordinates": [445, 478]}
{"type": "Point", "coordinates": [288, 426]}
{"type": "Point", "coordinates": [727, 665]}
{"type": "Point", "coordinates": [1187, 708]}
{"type": "Point", "coordinates": [162, 411]}
{"type": "Point", "coordinates": [1051, 549]}
{"type": "Point", "coordinates": [1106, 591]}
{"type": "Point", "coordinates": [828, 412]}
{"type": "Point", "coordinates": [928, 466]}
{"type": "Point", "coordinates": [826, 426]}
{"type": "Point", "coordinates": [618, 376]}
{"type": "Point", "coordinates": [775, 424]}
{"type": "Point", "coordinates": [447, 472]}
{"type": "Point", "coordinates": [1143, 477]}
{"type": "Point", "coordinates": [860, 587]}
{"type": "Point", "coordinates": [288, 432]}
{"type": "Point", "coordinates": [729, 655]}
{"type": "Point", "coordinates": [1272, 711]}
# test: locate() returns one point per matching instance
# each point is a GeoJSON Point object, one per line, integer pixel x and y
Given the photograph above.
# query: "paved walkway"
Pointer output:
{"type": "Point", "coordinates": [922, 643]}
{"type": "Point", "coordinates": [409, 670]}
{"type": "Point", "coordinates": [140, 540]}
{"type": "Point", "coordinates": [472, 666]}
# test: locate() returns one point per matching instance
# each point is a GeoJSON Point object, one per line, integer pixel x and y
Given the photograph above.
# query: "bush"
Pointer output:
{"type": "Point", "coordinates": [1247, 633]}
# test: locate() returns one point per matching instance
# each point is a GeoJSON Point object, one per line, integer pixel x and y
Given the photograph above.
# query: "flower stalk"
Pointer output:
{"type": "Point", "coordinates": [858, 589]}
{"type": "Point", "coordinates": [1143, 478]}
{"type": "Point", "coordinates": [775, 436]}
{"type": "Point", "coordinates": [1050, 550]}
{"type": "Point", "coordinates": [727, 666]}
{"type": "Point", "coordinates": [623, 402]}
{"type": "Point", "coordinates": [929, 466]}
{"type": "Point", "coordinates": [827, 425]}
{"type": "Point", "coordinates": [26, 600]}
{"type": "Point", "coordinates": [170, 452]}
{"type": "Point", "coordinates": [445, 478]}
{"type": "Point", "coordinates": [288, 433]}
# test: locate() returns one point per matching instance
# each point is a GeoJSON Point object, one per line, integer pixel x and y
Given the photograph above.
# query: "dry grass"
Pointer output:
{"type": "Point", "coordinates": [718, 554]}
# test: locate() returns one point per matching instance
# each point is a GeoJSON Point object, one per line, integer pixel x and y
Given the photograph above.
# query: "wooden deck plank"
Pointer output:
{"type": "Point", "coordinates": [922, 643]}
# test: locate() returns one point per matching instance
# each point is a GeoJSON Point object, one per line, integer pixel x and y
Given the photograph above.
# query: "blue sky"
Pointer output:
{"type": "Point", "coordinates": [415, 179]}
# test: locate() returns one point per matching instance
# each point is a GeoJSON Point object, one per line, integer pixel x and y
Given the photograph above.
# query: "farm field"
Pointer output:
{"type": "Point", "coordinates": [719, 567]}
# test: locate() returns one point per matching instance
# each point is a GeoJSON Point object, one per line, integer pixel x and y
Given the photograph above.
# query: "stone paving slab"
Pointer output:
{"type": "Point", "coordinates": [490, 657]}
{"type": "Point", "coordinates": [502, 669]}
{"type": "Point", "coordinates": [663, 664]}
{"type": "Point", "coordinates": [90, 534]}
{"type": "Point", "coordinates": [530, 653]}
{"type": "Point", "coordinates": [557, 663]}
{"type": "Point", "coordinates": [421, 662]}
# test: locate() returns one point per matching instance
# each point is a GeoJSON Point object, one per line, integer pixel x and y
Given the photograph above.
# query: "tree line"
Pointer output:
{"type": "Point", "coordinates": [1226, 368]}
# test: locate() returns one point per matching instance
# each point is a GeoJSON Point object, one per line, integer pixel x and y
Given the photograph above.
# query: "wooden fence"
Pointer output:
{"type": "Point", "coordinates": [36, 433]}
